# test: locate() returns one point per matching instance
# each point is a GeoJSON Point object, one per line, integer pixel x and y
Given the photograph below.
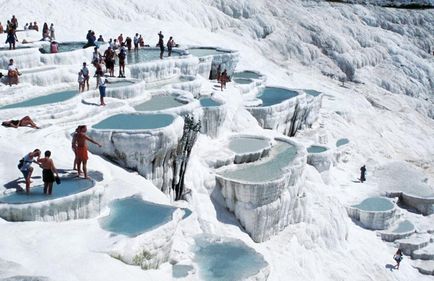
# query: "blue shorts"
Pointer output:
{"type": "Point", "coordinates": [25, 173]}
{"type": "Point", "coordinates": [102, 91]}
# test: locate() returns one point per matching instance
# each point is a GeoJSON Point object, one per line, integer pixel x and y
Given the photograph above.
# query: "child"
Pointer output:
{"type": "Point", "coordinates": [48, 171]}
{"type": "Point", "coordinates": [80, 81]}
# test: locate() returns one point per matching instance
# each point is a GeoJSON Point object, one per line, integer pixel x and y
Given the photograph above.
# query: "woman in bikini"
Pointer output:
{"type": "Point", "coordinates": [24, 122]}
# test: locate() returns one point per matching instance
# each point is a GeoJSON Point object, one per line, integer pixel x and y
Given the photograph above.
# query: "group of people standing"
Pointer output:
{"type": "Point", "coordinates": [170, 44]}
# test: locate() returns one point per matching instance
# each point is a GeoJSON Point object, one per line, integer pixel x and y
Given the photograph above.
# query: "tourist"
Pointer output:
{"type": "Point", "coordinates": [80, 81]}
{"type": "Point", "coordinates": [13, 73]}
{"type": "Point", "coordinates": [100, 39]}
{"type": "Point", "coordinates": [81, 145]}
{"type": "Point", "coordinates": [14, 22]}
{"type": "Point", "coordinates": [109, 59]}
{"type": "Point", "coordinates": [48, 171]}
{"type": "Point", "coordinates": [136, 42]}
{"type": "Point", "coordinates": [101, 85]}
{"type": "Point", "coordinates": [120, 39]}
{"type": "Point", "coordinates": [85, 72]}
{"type": "Point", "coordinates": [141, 41]}
{"type": "Point", "coordinates": [23, 122]}
{"type": "Point", "coordinates": [363, 174]}
{"type": "Point", "coordinates": [74, 146]}
{"type": "Point", "coordinates": [110, 43]}
{"type": "Point", "coordinates": [122, 56]}
{"type": "Point", "coordinates": [91, 39]}
{"type": "Point", "coordinates": [96, 57]}
{"type": "Point", "coordinates": [11, 38]}
{"type": "Point", "coordinates": [54, 47]}
{"type": "Point", "coordinates": [219, 68]}
{"type": "Point", "coordinates": [161, 44]}
{"type": "Point", "coordinates": [224, 78]}
{"type": "Point", "coordinates": [26, 27]}
{"type": "Point", "coordinates": [398, 258]}
{"type": "Point", "coordinates": [25, 166]}
{"type": "Point", "coordinates": [170, 45]}
{"type": "Point", "coordinates": [35, 26]}
{"type": "Point", "coordinates": [45, 32]}
{"type": "Point", "coordinates": [128, 41]}
{"type": "Point", "coordinates": [31, 26]}
{"type": "Point", "coordinates": [52, 35]}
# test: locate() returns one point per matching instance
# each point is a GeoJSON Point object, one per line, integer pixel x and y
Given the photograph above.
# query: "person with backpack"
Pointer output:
{"type": "Point", "coordinates": [48, 171]}
{"type": "Point", "coordinates": [122, 56]}
{"type": "Point", "coordinates": [25, 166]}
{"type": "Point", "coordinates": [170, 45]}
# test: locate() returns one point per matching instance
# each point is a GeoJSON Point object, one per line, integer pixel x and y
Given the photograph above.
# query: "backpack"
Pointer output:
{"type": "Point", "coordinates": [20, 163]}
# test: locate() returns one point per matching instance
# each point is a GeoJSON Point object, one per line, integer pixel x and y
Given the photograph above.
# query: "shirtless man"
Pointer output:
{"type": "Point", "coordinates": [81, 148]}
{"type": "Point", "coordinates": [48, 171]}
{"type": "Point", "coordinates": [26, 168]}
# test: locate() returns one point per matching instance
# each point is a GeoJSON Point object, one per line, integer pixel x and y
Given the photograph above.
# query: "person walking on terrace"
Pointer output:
{"type": "Point", "coordinates": [363, 174]}
{"type": "Point", "coordinates": [161, 44]}
{"type": "Point", "coordinates": [25, 166]}
{"type": "Point", "coordinates": [81, 147]}
{"type": "Point", "coordinates": [398, 256]}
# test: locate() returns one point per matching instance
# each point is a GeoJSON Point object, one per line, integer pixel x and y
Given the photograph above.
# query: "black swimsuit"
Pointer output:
{"type": "Point", "coordinates": [47, 175]}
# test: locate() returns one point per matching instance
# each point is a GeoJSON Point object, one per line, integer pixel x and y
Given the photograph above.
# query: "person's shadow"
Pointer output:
{"type": "Point", "coordinates": [391, 267]}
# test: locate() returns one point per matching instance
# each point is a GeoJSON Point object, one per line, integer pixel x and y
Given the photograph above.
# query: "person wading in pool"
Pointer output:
{"type": "Point", "coordinates": [101, 85]}
{"type": "Point", "coordinates": [81, 145]}
{"type": "Point", "coordinates": [48, 171]}
{"type": "Point", "coordinates": [122, 56]}
{"type": "Point", "coordinates": [25, 166]}
{"type": "Point", "coordinates": [170, 45]}
{"type": "Point", "coordinates": [85, 72]}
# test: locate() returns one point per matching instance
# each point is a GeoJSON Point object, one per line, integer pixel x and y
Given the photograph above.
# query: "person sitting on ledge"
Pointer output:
{"type": "Point", "coordinates": [12, 73]}
{"type": "Point", "coordinates": [24, 122]}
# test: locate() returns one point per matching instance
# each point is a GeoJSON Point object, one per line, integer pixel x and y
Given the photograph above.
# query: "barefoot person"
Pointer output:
{"type": "Point", "coordinates": [86, 76]}
{"type": "Point", "coordinates": [12, 73]}
{"type": "Point", "coordinates": [101, 85]}
{"type": "Point", "coordinates": [48, 171]}
{"type": "Point", "coordinates": [80, 143]}
{"type": "Point", "coordinates": [26, 168]}
{"type": "Point", "coordinates": [24, 122]}
{"type": "Point", "coordinates": [363, 174]}
{"type": "Point", "coordinates": [398, 258]}
{"type": "Point", "coordinates": [161, 44]}
{"type": "Point", "coordinates": [74, 146]}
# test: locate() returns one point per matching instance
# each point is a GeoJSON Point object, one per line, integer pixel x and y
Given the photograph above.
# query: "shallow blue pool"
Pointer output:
{"type": "Point", "coordinates": [341, 142]}
{"type": "Point", "coordinates": [375, 204]}
{"type": "Point", "coordinates": [226, 259]}
{"type": "Point", "coordinates": [158, 103]}
{"type": "Point", "coordinates": [146, 54]}
{"type": "Point", "coordinates": [135, 122]}
{"type": "Point", "coordinates": [404, 227]}
{"type": "Point", "coordinates": [51, 98]}
{"type": "Point", "coordinates": [247, 75]}
{"type": "Point", "coordinates": [67, 187]}
{"type": "Point", "coordinates": [64, 47]}
{"type": "Point", "coordinates": [245, 144]}
{"type": "Point", "coordinates": [316, 149]}
{"type": "Point", "coordinates": [269, 169]}
{"type": "Point", "coordinates": [243, 81]}
{"type": "Point", "coordinates": [209, 102]}
{"type": "Point", "coordinates": [272, 95]}
{"type": "Point", "coordinates": [203, 52]}
{"type": "Point", "coordinates": [132, 216]}
{"type": "Point", "coordinates": [313, 93]}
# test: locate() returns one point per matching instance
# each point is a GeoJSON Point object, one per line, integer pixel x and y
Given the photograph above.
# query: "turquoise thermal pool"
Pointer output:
{"type": "Point", "coordinates": [316, 149]}
{"type": "Point", "coordinates": [133, 216]}
{"type": "Point", "coordinates": [375, 204]}
{"type": "Point", "coordinates": [68, 186]}
{"type": "Point", "coordinates": [268, 169]}
{"type": "Point", "coordinates": [135, 122]}
{"type": "Point", "coordinates": [48, 99]}
{"type": "Point", "coordinates": [272, 95]}
{"type": "Point", "coordinates": [159, 102]}
{"type": "Point", "coordinates": [245, 144]}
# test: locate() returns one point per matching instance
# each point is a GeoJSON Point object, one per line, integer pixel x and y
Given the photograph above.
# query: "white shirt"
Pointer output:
{"type": "Point", "coordinates": [101, 81]}
{"type": "Point", "coordinates": [12, 67]}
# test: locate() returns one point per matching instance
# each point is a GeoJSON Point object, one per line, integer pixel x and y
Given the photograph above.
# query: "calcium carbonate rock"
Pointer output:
{"type": "Point", "coordinates": [265, 202]}
{"type": "Point", "coordinates": [374, 213]}
{"type": "Point", "coordinates": [148, 151]}
{"type": "Point", "coordinates": [23, 58]}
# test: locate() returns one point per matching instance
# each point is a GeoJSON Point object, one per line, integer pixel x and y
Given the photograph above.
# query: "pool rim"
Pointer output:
{"type": "Point", "coordinates": [299, 95]}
